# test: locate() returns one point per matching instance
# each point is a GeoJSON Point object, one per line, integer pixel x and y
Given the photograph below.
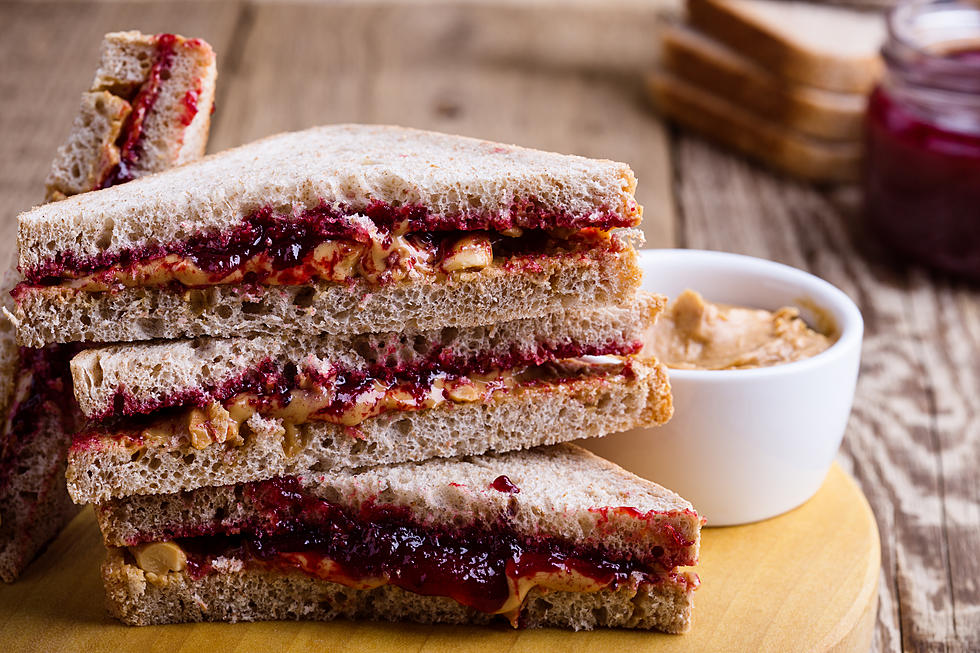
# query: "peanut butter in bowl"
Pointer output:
{"type": "Point", "coordinates": [694, 334]}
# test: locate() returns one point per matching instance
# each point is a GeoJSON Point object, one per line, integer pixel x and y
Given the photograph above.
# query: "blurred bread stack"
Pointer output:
{"type": "Point", "coordinates": [785, 83]}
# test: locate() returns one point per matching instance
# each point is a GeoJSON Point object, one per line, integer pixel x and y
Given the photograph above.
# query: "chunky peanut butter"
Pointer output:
{"type": "Point", "coordinates": [697, 335]}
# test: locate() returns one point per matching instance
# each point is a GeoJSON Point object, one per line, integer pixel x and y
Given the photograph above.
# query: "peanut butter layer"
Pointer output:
{"type": "Point", "coordinates": [694, 334]}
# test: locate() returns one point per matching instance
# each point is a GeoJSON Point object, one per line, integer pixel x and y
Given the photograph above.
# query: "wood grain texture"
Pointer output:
{"type": "Point", "coordinates": [819, 564]}
{"type": "Point", "coordinates": [913, 441]}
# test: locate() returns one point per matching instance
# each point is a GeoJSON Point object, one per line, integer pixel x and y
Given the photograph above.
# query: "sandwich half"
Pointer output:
{"type": "Point", "coordinates": [339, 229]}
{"type": "Point", "coordinates": [179, 415]}
{"type": "Point", "coordinates": [38, 416]}
{"type": "Point", "coordinates": [554, 536]}
{"type": "Point", "coordinates": [149, 109]}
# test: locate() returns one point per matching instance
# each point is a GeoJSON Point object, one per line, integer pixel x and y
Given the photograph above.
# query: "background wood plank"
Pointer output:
{"type": "Point", "coordinates": [914, 437]}
{"type": "Point", "coordinates": [471, 70]}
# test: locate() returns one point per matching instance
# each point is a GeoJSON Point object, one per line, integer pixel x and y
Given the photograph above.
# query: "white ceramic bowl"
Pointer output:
{"type": "Point", "coordinates": [746, 445]}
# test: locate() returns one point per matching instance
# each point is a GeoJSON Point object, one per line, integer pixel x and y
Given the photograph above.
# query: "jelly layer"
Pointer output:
{"type": "Point", "coordinates": [489, 567]}
{"type": "Point", "coordinates": [274, 243]}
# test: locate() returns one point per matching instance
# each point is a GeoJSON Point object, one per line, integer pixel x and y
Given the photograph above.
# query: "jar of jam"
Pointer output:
{"type": "Point", "coordinates": [922, 177]}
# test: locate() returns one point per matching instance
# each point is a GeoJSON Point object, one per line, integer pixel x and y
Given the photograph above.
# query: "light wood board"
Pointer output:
{"type": "Point", "coordinates": [804, 581]}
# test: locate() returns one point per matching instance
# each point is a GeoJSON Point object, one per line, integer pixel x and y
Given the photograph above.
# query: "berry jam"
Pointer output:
{"type": "Point", "coordinates": [132, 132]}
{"type": "Point", "coordinates": [275, 382]}
{"type": "Point", "coordinates": [288, 241]}
{"type": "Point", "coordinates": [922, 177]}
{"type": "Point", "coordinates": [476, 564]}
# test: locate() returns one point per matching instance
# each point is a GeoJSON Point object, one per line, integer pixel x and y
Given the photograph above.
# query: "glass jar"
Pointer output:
{"type": "Point", "coordinates": [922, 176]}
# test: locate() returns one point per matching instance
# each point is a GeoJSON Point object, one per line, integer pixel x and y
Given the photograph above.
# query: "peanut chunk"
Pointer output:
{"type": "Point", "coordinates": [159, 557]}
{"type": "Point", "coordinates": [464, 392]}
{"type": "Point", "coordinates": [471, 252]}
{"type": "Point", "coordinates": [212, 424]}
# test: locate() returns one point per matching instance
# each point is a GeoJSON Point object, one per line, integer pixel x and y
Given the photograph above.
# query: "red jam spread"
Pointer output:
{"type": "Point", "coordinates": [922, 180]}
{"type": "Point", "coordinates": [43, 386]}
{"type": "Point", "coordinates": [266, 244]}
{"type": "Point", "coordinates": [345, 397]}
{"type": "Point", "coordinates": [481, 565]}
{"type": "Point", "coordinates": [275, 381]}
{"type": "Point", "coordinates": [132, 132]}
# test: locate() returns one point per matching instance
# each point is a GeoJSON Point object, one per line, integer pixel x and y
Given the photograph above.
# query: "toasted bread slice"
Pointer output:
{"type": "Point", "coordinates": [813, 112]}
{"type": "Point", "coordinates": [559, 500]}
{"type": "Point", "coordinates": [149, 109]}
{"type": "Point", "coordinates": [832, 48]}
{"type": "Point", "coordinates": [108, 462]}
{"type": "Point", "coordinates": [774, 145]}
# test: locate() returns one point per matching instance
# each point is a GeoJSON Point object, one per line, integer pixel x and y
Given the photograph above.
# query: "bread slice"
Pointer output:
{"type": "Point", "coordinates": [105, 463]}
{"type": "Point", "coordinates": [732, 126]}
{"type": "Point", "coordinates": [606, 275]}
{"type": "Point", "coordinates": [38, 418]}
{"type": "Point", "coordinates": [238, 595]}
{"type": "Point", "coordinates": [133, 379]}
{"type": "Point", "coordinates": [695, 58]}
{"type": "Point", "coordinates": [149, 109]}
{"type": "Point", "coordinates": [548, 499]}
{"type": "Point", "coordinates": [832, 48]}
{"type": "Point", "coordinates": [436, 180]}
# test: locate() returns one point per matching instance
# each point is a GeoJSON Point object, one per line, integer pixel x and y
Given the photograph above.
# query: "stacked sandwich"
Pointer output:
{"type": "Point", "coordinates": [346, 361]}
{"type": "Point", "coordinates": [783, 82]}
{"type": "Point", "coordinates": [148, 109]}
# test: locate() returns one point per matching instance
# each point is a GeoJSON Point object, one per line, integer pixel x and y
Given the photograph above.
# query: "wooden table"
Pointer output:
{"type": "Point", "coordinates": [567, 79]}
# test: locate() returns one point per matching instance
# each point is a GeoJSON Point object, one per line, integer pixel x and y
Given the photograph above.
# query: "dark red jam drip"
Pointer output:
{"type": "Point", "coordinates": [289, 241]}
{"type": "Point", "coordinates": [473, 564]}
{"type": "Point", "coordinates": [505, 485]}
{"type": "Point", "coordinates": [273, 383]}
{"type": "Point", "coordinates": [131, 135]}
{"type": "Point", "coordinates": [50, 393]}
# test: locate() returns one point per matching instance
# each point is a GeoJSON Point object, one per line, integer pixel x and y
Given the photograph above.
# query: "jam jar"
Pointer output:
{"type": "Point", "coordinates": [922, 175]}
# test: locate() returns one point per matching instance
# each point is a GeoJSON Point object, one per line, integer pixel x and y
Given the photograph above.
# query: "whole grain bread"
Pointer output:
{"type": "Point", "coordinates": [174, 130]}
{"type": "Point", "coordinates": [528, 416]}
{"type": "Point", "coordinates": [350, 166]}
{"type": "Point", "coordinates": [34, 503]}
{"type": "Point", "coordinates": [832, 48]}
{"type": "Point", "coordinates": [604, 275]}
{"type": "Point", "coordinates": [779, 147]}
{"type": "Point", "coordinates": [137, 378]}
{"type": "Point", "coordinates": [236, 594]}
{"type": "Point", "coordinates": [706, 63]}
{"type": "Point", "coordinates": [566, 493]}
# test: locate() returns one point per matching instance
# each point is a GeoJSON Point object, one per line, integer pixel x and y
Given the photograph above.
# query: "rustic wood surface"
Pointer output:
{"type": "Point", "coordinates": [566, 77]}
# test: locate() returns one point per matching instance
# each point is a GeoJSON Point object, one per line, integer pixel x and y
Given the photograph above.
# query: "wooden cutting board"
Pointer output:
{"type": "Point", "coordinates": [804, 581]}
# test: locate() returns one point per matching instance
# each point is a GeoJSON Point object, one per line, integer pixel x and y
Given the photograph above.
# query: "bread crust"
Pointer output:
{"type": "Point", "coordinates": [254, 595]}
{"type": "Point", "coordinates": [813, 112]}
{"type": "Point", "coordinates": [599, 276]}
{"type": "Point", "coordinates": [526, 417]}
{"type": "Point", "coordinates": [777, 146]}
{"type": "Point", "coordinates": [353, 166]}
{"type": "Point", "coordinates": [778, 51]}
